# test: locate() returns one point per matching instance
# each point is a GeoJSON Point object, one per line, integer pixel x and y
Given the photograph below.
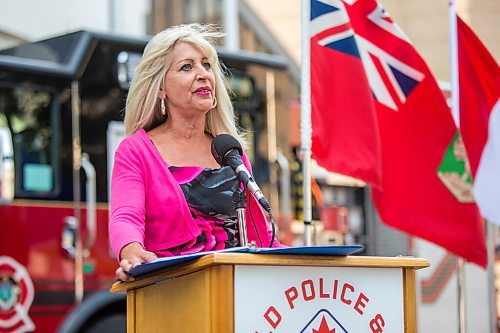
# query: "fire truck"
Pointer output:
{"type": "Point", "coordinates": [61, 109]}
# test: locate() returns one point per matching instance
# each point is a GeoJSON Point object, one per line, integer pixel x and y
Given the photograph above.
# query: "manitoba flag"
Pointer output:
{"type": "Point", "coordinates": [379, 115]}
{"type": "Point", "coordinates": [345, 136]}
{"type": "Point", "coordinates": [479, 82]}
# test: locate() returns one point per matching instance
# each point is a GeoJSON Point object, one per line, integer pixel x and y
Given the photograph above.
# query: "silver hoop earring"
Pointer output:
{"type": "Point", "coordinates": [214, 104]}
{"type": "Point", "coordinates": [162, 107]}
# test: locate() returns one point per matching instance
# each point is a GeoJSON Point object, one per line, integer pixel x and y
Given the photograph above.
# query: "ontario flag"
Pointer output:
{"type": "Point", "coordinates": [479, 83]}
{"type": "Point", "coordinates": [379, 115]}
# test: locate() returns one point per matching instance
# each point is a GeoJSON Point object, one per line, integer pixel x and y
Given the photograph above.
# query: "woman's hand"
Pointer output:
{"type": "Point", "coordinates": [132, 255]}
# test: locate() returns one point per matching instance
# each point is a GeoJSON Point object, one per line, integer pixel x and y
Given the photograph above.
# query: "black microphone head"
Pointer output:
{"type": "Point", "coordinates": [222, 144]}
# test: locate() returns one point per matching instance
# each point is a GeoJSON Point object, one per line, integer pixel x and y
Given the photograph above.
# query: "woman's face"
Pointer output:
{"type": "Point", "coordinates": [189, 82]}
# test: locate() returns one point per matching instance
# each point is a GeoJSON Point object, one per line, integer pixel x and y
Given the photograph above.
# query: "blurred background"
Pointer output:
{"type": "Point", "coordinates": [49, 46]}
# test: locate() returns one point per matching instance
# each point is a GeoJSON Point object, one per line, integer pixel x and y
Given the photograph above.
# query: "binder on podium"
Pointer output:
{"type": "Point", "coordinates": [308, 289]}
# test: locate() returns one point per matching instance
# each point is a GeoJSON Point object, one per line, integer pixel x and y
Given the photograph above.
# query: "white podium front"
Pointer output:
{"type": "Point", "coordinates": [318, 299]}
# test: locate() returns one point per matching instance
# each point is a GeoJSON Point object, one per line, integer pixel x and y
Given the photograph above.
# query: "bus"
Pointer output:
{"type": "Point", "coordinates": [61, 110]}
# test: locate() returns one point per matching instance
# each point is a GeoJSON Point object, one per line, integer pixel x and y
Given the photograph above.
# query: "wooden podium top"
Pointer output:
{"type": "Point", "coordinates": [214, 259]}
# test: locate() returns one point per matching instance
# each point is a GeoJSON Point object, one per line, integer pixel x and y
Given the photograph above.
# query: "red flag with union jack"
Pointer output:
{"type": "Point", "coordinates": [373, 95]}
{"type": "Point", "coordinates": [345, 136]}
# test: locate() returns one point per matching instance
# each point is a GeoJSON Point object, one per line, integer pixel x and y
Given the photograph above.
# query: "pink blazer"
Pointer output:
{"type": "Point", "coordinates": [149, 207]}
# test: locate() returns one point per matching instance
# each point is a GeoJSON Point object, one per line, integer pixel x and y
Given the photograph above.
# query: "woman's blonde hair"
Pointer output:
{"type": "Point", "coordinates": [142, 108]}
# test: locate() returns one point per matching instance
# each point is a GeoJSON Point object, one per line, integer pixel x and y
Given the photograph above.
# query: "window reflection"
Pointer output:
{"type": "Point", "coordinates": [29, 114]}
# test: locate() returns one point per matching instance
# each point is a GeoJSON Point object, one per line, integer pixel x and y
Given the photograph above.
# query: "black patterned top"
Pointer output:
{"type": "Point", "coordinates": [209, 193]}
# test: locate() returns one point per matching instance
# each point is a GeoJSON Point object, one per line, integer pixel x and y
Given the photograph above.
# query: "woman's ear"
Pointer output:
{"type": "Point", "coordinates": [162, 94]}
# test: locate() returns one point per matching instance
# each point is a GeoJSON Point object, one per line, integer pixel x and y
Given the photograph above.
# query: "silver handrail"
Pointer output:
{"type": "Point", "coordinates": [91, 202]}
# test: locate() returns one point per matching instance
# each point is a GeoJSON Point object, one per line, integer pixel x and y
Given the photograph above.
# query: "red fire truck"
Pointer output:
{"type": "Point", "coordinates": [61, 106]}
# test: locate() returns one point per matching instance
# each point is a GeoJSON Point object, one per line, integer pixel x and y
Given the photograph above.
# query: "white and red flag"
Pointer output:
{"type": "Point", "coordinates": [379, 115]}
{"type": "Point", "coordinates": [479, 86]}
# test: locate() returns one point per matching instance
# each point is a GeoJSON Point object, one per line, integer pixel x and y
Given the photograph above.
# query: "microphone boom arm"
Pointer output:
{"type": "Point", "coordinates": [244, 176]}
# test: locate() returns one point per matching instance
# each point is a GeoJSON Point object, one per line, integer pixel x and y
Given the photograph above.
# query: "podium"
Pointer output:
{"type": "Point", "coordinates": [248, 292]}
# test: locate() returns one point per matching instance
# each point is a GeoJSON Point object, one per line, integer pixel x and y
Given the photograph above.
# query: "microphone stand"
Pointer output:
{"type": "Point", "coordinates": [239, 200]}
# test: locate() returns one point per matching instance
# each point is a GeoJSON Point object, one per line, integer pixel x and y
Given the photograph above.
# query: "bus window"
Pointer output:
{"type": "Point", "coordinates": [30, 115]}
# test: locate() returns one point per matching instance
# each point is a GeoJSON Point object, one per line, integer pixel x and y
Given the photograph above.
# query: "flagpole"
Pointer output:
{"type": "Point", "coordinates": [455, 94]}
{"type": "Point", "coordinates": [455, 111]}
{"type": "Point", "coordinates": [461, 294]}
{"type": "Point", "coordinates": [305, 121]}
{"type": "Point", "coordinates": [491, 232]}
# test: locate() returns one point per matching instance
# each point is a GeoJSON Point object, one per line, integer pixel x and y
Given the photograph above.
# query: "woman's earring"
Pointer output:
{"type": "Point", "coordinates": [162, 107]}
{"type": "Point", "coordinates": [214, 104]}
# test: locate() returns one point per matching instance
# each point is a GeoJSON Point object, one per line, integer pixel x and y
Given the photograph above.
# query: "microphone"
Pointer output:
{"type": "Point", "coordinates": [228, 151]}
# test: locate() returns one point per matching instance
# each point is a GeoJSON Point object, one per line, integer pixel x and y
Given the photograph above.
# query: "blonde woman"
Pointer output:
{"type": "Point", "coordinates": [169, 195]}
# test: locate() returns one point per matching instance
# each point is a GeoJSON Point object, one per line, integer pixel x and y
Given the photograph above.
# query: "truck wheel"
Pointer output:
{"type": "Point", "coordinates": [112, 323]}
